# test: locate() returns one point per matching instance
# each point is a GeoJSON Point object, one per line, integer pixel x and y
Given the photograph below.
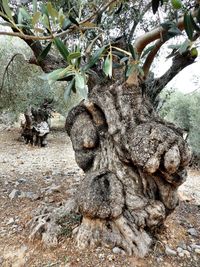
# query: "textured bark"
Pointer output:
{"type": "Point", "coordinates": [134, 163]}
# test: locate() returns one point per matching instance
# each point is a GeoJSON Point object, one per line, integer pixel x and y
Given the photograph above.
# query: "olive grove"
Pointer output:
{"type": "Point", "coordinates": [134, 161]}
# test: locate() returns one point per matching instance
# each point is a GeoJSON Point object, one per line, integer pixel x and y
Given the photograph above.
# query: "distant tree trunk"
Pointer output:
{"type": "Point", "coordinates": [134, 163]}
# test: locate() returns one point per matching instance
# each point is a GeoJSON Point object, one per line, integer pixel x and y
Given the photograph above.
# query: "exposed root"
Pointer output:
{"type": "Point", "coordinates": [47, 224]}
{"type": "Point", "coordinates": [113, 233]}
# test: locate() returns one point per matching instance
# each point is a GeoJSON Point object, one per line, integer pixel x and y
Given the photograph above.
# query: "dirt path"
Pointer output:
{"type": "Point", "coordinates": [31, 177]}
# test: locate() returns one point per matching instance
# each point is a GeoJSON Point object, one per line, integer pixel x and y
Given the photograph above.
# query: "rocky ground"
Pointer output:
{"type": "Point", "coordinates": [32, 177]}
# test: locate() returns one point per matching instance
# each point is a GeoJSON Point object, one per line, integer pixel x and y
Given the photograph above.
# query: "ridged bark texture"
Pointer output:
{"type": "Point", "coordinates": [134, 163]}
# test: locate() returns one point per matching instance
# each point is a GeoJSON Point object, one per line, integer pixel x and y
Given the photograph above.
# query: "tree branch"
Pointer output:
{"type": "Point", "coordinates": [157, 33]}
{"type": "Point", "coordinates": [150, 57]}
{"type": "Point", "coordinates": [179, 63]}
{"type": "Point", "coordinates": [6, 70]}
{"type": "Point", "coordinates": [147, 7]}
{"type": "Point", "coordinates": [152, 36]}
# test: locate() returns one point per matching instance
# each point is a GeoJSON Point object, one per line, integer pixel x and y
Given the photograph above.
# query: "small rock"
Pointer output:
{"type": "Point", "coordinates": [22, 180]}
{"type": "Point", "coordinates": [182, 245]}
{"type": "Point", "coordinates": [194, 246]}
{"type": "Point", "coordinates": [181, 254]}
{"type": "Point", "coordinates": [32, 196]}
{"type": "Point", "coordinates": [187, 253]}
{"type": "Point", "coordinates": [110, 257]}
{"type": "Point", "coordinates": [197, 251]}
{"type": "Point", "coordinates": [159, 260]}
{"type": "Point", "coordinates": [11, 221]}
{"type": "Point", "coordinates": [179, 250]}
{"type": "Point", "coordinates": [16, 184]}
{"type": "Point", "coordinates": [117, 250]}
{"type": "Point", "coordinates": [169, 251]}
{"type": "Point", "coordinates": [14, 194]}
{"type": "Point", "coordinates": [101, 256]}
{"type": "Point", "coordinates": [193, 232]}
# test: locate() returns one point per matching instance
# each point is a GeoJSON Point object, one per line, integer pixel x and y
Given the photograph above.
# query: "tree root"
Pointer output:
{"type": "Point", "coordinates": [118, 232]}
{"type": "Point", "coordinates": [48, 223]}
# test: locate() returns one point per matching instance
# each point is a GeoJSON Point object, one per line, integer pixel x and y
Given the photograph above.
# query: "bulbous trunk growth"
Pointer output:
{"type": "Point", "coordinates": [134, 163]}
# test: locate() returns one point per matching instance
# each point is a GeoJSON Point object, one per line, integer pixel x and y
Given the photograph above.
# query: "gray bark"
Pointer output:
{"type": "Point", "coordinates": [134, 163]}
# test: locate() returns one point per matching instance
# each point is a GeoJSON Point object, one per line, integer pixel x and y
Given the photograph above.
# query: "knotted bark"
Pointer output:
{"type": "Point", "coordinates": [134, 163]}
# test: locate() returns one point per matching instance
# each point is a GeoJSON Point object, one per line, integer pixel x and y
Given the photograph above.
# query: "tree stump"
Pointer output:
{"type": "Point", "coordinates": [134, 163]}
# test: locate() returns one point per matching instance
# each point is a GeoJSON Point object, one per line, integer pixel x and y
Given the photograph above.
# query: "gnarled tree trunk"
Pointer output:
{"type": "Point", "coordinates": [134, 163]}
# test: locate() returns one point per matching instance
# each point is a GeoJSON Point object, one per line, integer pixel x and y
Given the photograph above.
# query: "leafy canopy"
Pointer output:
{"type": "Point", "coordinates": [84, 33]}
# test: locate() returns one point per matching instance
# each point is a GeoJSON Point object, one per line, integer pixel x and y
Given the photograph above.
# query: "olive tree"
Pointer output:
{"type": "Point", "coordinates": [133, 160]}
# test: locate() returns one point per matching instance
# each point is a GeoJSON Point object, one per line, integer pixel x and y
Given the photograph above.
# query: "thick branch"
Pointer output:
{"type": "Point", "coordinates": [156, 34]}
{"type": "Point", "coordinates": [151, 56]}
{"type": "Point", "coordinates": [179, 63]}
{"type": "Point", "coordinates": [153, 35]}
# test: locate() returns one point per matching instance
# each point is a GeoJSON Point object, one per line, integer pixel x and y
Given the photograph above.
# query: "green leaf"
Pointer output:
{"type": "Point", "coordinates": [176, 47]}
{"type": "Point", "coordinates": [107, 66]}
{"type": "Point", "coordinates": [81, 85]}
{"type": "Point", "coordinates": [61, 17]}
{"type": "Point", "coordinates": [44, 10]}
{"type": "Point", "coordinates": [73, 20]}
{"type": "Point", "coordinates": [62, 48]}
{"type": "Point", "coordinates": [167, 25]}
{"type": "Point", "coordinates": [184, 47]}
{"type": "Point", "coordinates": [44, 53]}
{"type": "Point", "coordinates": [124, 59]}
{"type": "Point", "coordinates": [45, 21]}
{"type": "Point", "coordinates": [188, 25]}
{"type": "Point", "coordinates": [72, 56]}
{"type": "Point", "coordinates": [68, 90]}
{"type": "Point", "coordinates": [20, 18]}
{"type": "Point", "coordinates": [133, 52]}
{"type": "Point", "coordinates": [25, 15]}
{"type": "Point", "coordinates": [58, 74]}
{"type": "Point", "coordinates": [52, 11]}
{"type": "Point", "coordinates": [195, 26]}
{"type": "Point", "coordinates": [34, 6]}
{"type": "Point", "coordinates": [94, 58]}
{"type": "Point", "coordinates": [35, 18]}
{"type": "Point", "coordinates": [118, 54]}
{"type": "Point", "coordinates": [7, 9]}
{"type": "Point", "coordinates": [174, 31]}
{"type": "Point", "coordinates": [146, 51]}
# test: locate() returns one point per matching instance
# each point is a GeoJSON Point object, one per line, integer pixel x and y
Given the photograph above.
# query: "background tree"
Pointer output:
{"type": "Point", "coordinates": [183, 109]}
{"type": "Point", "coordinates": [134, 161]}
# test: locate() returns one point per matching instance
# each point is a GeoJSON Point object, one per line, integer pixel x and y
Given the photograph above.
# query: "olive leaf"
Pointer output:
{"type": "Point", "coordinates": [61, 48]}
{"type": "Point", "coordinates": [80, 84]}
